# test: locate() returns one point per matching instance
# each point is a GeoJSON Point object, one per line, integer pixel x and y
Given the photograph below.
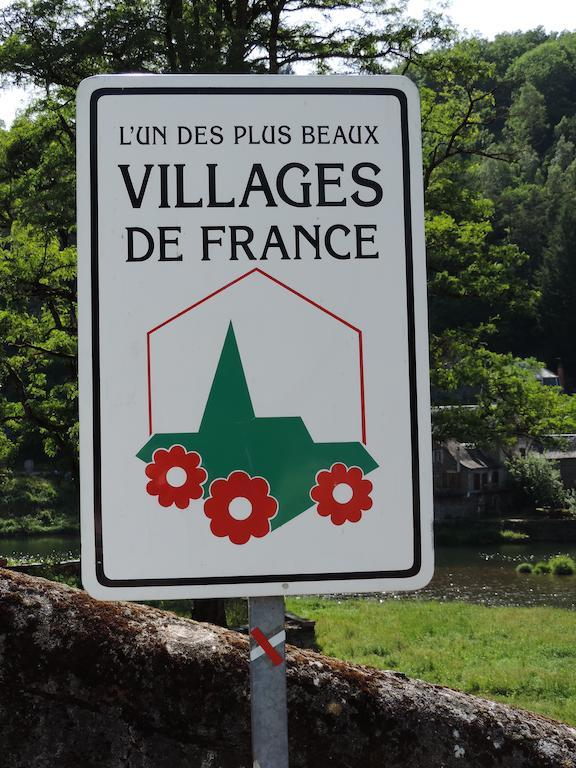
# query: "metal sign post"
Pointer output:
{"type": "Point", "coordinates": [268, 682]}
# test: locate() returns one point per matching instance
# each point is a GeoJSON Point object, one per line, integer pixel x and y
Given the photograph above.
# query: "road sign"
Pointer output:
{"type": "Point", "coordinates": [253, 336]}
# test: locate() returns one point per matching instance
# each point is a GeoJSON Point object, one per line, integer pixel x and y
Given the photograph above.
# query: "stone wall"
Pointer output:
{"type": "Point", "coordinates": [86, 684]}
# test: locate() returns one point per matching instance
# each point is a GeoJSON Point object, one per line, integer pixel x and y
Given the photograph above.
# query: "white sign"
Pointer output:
{"type": "Point", "coordinates": [254, 406]}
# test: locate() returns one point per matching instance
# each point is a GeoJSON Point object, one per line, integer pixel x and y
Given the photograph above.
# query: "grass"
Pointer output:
{"type": "Point", "coordinates": [43, 524]}
{"type": "Point", "coordinates": [560, 565]}
{"type": "Point", "coordinates": [521, 656]}
{"type": "Point", "coordinates": [513, 537]}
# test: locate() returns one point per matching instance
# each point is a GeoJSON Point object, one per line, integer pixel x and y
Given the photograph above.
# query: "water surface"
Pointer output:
{"type": "Point", "coordinates": [487, 575]}
{"type": "Point", "coordinates": [34, 548]}
{"type": "Point", "coordinates": [477, 574]}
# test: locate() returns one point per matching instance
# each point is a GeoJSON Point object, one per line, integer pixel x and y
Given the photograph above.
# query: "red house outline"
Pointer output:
{"type": "Point", "coordinates": [287, 288]}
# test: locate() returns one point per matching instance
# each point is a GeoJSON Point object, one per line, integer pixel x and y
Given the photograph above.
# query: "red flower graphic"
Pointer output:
{"type": "Point", "coordinates": [342, 493]}
{"type": "Point", "coordinates": [240, 506]}
{"type": "Point", "coordinates": [175, 487]}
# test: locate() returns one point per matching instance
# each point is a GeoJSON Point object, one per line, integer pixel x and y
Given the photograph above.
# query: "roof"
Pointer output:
{"type": "Point", "coordinates": [470, 456]}
{"type": "Point", "coordinates": [548, 377]}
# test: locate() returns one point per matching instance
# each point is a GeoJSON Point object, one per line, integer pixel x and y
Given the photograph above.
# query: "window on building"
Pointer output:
{"type": "Point", "coordinates": [476, 482]}
{"type": "Point", "coordinates": [437, 456]}
{"type": "Point", "coordinates": [451, 480]}
{"type": "Point", "coordinates": [495, 477]}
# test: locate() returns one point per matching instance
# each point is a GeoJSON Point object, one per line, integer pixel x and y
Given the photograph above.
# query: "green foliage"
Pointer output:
{"type": "Point", "coordinates": [542, 567]}
{"type": "Point", "coordinates": [557, 273]}
{"type": "Point", "coordinates": [62, 41]}
{"type": "Point", "coordinates": [538, 480]}
{"type": "Point", "coordinates": [21, 495]}
{"type": "Point", "coordinates": [54, 44]}
{"type": "Point", "coordinates": [534, 193]}
{"type": "Point", "coordinates": [500, 223]}
{"type": "Point", "coordinates": [472, 272]}
{"type": "Point", "coordinates": [527, 124]}
{"type": "Point", "coordinates": [508, 401]}
{"type": "Point", "coordinates": [476, 271]}
{"type": "Point", "coordinates": [513, 537]}
{"type": "Point", "coordinates": [570, 500]}
{"type": "Point", "coordinates": [499, 139]}
{"type": "Point", "coordinates": [551, 69]}
{"type": "Point", "coordinates": [45, 523]}
{"type": "Point", "coordinates": [38, 367]}
{"type": "Point", "coordinates": [31, 504]}
{"type": "Point", "coordinates": [48, 567]}
{"type": "Point", "coordinates": [562, 565]}
{"type": "Point", "coordinates": [456, 103]}
{"type": "Point", "coordinates": [522, 656]}
{"type": "Point", "coordinates": [559, 565]}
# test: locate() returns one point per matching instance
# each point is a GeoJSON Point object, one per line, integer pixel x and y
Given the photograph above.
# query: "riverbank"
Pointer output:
{"type": "Point", "coordinates": [501, 530]}
{"type": "Point", "coordinates": [34, 527]}
{"type": "Point", "coordinates": [521, 656]}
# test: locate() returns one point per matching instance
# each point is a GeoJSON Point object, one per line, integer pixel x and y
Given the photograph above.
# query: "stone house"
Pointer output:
{"type": "Point", "coordinates": [565, 460]}
{"type": "Point", "coordinates": [468, 482]}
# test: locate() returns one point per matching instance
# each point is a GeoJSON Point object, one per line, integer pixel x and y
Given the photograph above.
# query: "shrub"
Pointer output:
{"type": "Point", "coordinates": [570, 501]}
{"type": "Point", "coordinates": [24, 494]}
{"type": "Point", "coordinates": [10, 526]}
{"type": "Point", "coordinates": [36, 504]}
{"type": "Point", "coordinates": [542, 567]}
{"type": "Point", "coordinates": [524, 568]}
{"type": "Point", "coordinates": [538, 481]}
{"type": "Point", "coordinates": [562, 565]}
{"type": "Point", "coordinates": [513, 536]}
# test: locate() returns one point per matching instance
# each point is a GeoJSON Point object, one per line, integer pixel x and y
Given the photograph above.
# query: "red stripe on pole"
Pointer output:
{"type": "Point", "coordinates": [262, 641]}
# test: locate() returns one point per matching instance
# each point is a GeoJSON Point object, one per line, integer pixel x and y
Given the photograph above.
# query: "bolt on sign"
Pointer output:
{"type": "Point", "coordinates": [253, 336]}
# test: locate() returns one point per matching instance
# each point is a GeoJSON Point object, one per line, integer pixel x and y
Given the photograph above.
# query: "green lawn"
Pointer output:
{"type": "Point", "coordinates": [520, 656]}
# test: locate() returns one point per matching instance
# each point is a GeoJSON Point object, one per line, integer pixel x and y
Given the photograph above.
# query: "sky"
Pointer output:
{"type": "Point", "coordinates": [488, 17]}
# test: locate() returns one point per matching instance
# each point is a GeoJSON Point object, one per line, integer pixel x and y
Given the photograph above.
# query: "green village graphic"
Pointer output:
{"type": "Point", "coordinates": [233, 444]}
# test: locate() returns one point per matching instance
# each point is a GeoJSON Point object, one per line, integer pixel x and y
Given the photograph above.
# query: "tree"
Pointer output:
{"type": "Point", "coordinates": [533, 195]}
{"type": "Point", "coordinates": [38, 370]}
{"type": "Point", "coordinates": [472, 270]}
{"type": "Point", "coordinates": [475, 270]}
{"type": "Point", "coordinates": [551, 69]}
{"type": "Point", "coordinates": [509, 402]}
{"type": "Point", "coordinates": [53, 44]}
{"type": "Point", "coordinates": [558, 271]}
{"type": "Point", "coordinates": [498, 232]}
{"type": "Point", "coordinates": [538, 481]}
{"type": "Point", "coordinates": [56, 43]}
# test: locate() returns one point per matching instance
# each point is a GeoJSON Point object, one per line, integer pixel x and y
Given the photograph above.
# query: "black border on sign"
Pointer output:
{"type": "Point", "coordinates": [299, 577]}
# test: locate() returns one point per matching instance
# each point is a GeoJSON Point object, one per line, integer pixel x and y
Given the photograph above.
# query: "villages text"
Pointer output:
{"type": "Point", "coordinates": [293, 186]}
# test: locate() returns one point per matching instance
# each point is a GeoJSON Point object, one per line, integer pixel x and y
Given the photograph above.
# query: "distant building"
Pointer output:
{"type": "Point", "coordinates": [548, 378]}
{"type": "Point", "coordinates": [565, 459]}
{"type": "Point", "coordinates": [471, 482]}
{"type": "Point", "coordinates": [468, 482]}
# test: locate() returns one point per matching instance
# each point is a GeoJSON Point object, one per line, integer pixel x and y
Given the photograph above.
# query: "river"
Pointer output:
{"type": "Point", "coordinates": [478, 574]}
